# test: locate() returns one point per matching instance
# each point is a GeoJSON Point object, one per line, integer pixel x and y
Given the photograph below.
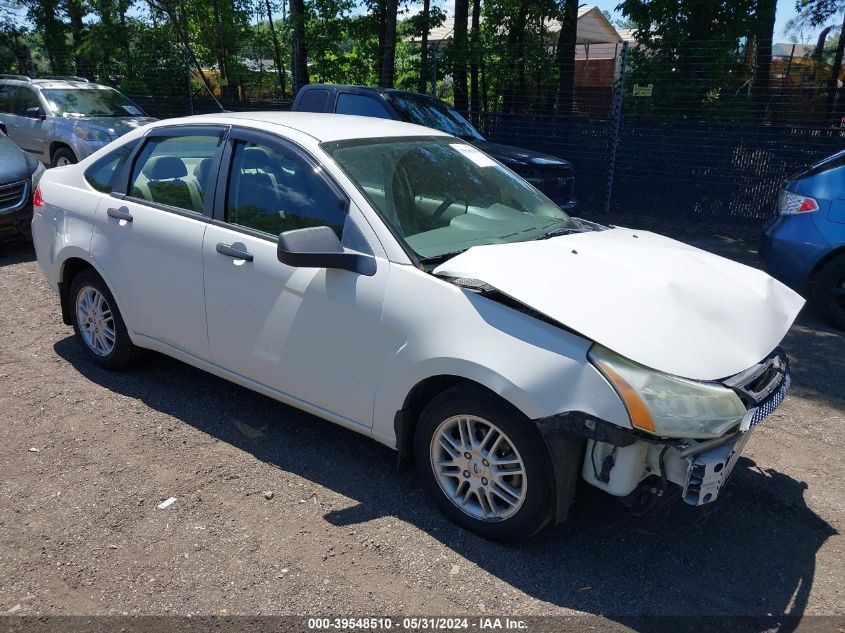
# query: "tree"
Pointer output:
{"type": "Point", "coordinates": [565, 56]}
{"type": "Point", "coordinates": [425, 28]}
{"type": "Point", "coordinates": [277, 51]}
{"type": "Point", "coordinates": [388, 44]}
{"type": "Point", "coordinates": [179, 22]}
{"type": "Point", "coordinates": [765, 12]}
{"type": "Point", "coordinates": [76, 11]}
{"type": "Point", "coordinates": [476, 60]}
{"type": "Point", "coordinates": [690, 50]}
{"type": "Point", "coordinates": [15, 53]}
{"type": "Point", "coordinates": [48, 18]}
{"type": "Point", "coordinates": [819, 12]}
{"type": "Point", "coordinates": [459, 55]}
{"type": "Point", "coordinates": [300, 50]}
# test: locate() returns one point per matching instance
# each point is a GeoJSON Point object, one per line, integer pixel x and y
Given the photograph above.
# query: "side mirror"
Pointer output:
{"type": "Point", "coordinates": [35, 113]}
{"type": "Point", "coordinates": [318, 247]}
{"type": "Point", "coordinates": [3, 131]}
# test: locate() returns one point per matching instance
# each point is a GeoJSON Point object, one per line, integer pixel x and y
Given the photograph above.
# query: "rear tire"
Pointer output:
{"type": "Point", "coordinates": [63, 156]}
{"type": "Point", "coordinates": [97, 323]}
{"type": "Point", "coordinates": [479, 493]}
{"type": "Point", "coordinates": [829, 292]}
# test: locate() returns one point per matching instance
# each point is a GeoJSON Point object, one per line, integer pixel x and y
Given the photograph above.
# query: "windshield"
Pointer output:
{"type": "Point", "coordinates": [435, 114]}
{"type": "Point", "coordinates": [442, 196]}
{"type": "Point", "coordinates": [82, 102]}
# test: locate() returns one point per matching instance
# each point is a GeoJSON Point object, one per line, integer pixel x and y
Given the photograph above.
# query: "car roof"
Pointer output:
{"type": "Point", "coordinates": [373, 89]}
{"type": "Point", "coordinates": [320, 126]}
{"type": "Point", "coordinates": [53, 83]}
{"type": "Point", "coordinates": [64, 83]}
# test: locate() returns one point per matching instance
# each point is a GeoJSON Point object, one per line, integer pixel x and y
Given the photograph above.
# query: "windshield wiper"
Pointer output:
{"type": "Point", "coordinates": [562, 230]}
{"type": "Point", "coordinates": [442, 257]}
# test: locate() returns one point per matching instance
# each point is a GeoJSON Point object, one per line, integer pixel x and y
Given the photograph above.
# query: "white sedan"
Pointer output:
{"type": "Point", "coordinates": [399, 282]}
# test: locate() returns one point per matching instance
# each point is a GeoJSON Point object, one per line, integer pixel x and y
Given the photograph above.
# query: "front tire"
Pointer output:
{"type": "Point", "coordinates": [485, 464]}
{"type": "Point", "coordinates": [63, 156]}
{"type": "Point", "coordinates": [829, 292]}
{"type": "Point", "coordinates": [97, 323]}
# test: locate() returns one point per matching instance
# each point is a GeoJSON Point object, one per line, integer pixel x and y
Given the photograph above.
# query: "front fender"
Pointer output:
{"type": "Point", "coordinates": [441, 330]}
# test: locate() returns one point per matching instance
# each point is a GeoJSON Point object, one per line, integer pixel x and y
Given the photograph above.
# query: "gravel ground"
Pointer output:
{"type": "Point", "coordinates": [87, 455]}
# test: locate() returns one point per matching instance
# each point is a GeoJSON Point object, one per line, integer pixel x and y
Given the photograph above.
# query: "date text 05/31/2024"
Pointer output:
{"type": "Point", "coordinates": [417, 623]}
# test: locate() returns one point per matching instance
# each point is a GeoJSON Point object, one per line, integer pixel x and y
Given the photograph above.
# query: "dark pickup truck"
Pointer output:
{"type": "Point", "coordinates": [551, 175]}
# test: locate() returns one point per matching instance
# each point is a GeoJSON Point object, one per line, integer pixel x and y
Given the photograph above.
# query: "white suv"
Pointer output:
{"type": "Point", "coordinates": [400, 282]}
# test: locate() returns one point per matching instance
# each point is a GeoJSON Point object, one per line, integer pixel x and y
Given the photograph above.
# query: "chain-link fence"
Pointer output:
{"type": "Point", "coordinates": [695, 141]}
{"type": "Point", "coordinates": [692, 130]}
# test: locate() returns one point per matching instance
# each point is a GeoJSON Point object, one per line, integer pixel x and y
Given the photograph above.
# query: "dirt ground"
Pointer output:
{"type": "Point", "coordinates": [87, 455]}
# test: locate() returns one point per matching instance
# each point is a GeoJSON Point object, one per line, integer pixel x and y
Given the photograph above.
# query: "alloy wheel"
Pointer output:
{"type": "Point", "coordinates": [96, 321]}
{"type": "Point", "coordinates": [478, 468]}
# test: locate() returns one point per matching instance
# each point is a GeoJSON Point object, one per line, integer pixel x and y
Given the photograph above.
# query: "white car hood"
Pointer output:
{"type": "Point", "coordinates": [657, 301]}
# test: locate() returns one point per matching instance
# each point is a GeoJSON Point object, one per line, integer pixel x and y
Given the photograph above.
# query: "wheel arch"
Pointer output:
{"type": "Point", "coordinates": [55, 146]}
{"type": "Point", "coordinates": [406, 418]}
{"type": "Point", "coordinates": [838, 251]}
{"type": "Point", "coordinates": [73, 264]}
{"type": "Point", "coordinates": [565, 450]}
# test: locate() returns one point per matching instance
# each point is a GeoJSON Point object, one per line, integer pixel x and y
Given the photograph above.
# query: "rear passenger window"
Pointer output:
{"type": "Point", "coordinates": [273, 190]}
{"type": "Point", "coordinates": [102, 173]}
{"type": "Point", "coordinates": [362, 105]}
{"type": "Point", "coordinates": [313, 100]}
{"type": "Point", "coordinates": [175, 170]}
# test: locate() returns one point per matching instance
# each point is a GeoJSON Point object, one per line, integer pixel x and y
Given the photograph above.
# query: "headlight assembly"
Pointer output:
{"type": "Point", "coordinates": [667, 405]}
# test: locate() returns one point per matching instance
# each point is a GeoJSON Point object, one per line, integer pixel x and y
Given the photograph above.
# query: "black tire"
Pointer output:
{"type": "Point", "coordinates": [538, 504]}
{"type": "Point", "coordinates": [63, 153]}
{"type": "Point", "coordinates": [123, 353]}
{"type": "Point", "coordinates": [829, 292]}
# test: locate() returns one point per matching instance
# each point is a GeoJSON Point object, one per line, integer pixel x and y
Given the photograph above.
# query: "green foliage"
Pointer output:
{"type": "Point", "coordinates": [691, 51]}
{"type": "Point", "coordinates": [819, 11]}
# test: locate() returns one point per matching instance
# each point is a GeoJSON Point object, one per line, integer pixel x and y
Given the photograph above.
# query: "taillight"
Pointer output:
{"type": "Point", "coordinates": [793, 203]}
{"type": "Point", "coordinates": [37, 201]}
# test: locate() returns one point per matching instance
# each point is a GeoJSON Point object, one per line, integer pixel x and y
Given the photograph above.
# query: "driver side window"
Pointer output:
{"type": "Point", "coordinates": [273, 190]}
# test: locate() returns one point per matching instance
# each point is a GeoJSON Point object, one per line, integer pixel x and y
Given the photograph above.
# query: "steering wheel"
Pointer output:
{"type": "Point", "coordinates": [448, 202]}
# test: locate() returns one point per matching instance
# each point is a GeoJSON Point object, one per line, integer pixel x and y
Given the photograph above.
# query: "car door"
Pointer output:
{"type": "Point", "coordinates": [27, 131]}
{"type": "Point", "coordinates": [149, 238]}
{"type": "Point", "coordinates": [312, 335]}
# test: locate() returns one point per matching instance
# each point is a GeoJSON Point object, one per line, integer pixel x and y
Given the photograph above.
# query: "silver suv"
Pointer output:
{"type": "Point", "coordinates": [61, 120]}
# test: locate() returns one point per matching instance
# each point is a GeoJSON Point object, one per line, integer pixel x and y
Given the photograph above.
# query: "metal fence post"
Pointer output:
{"type": "Point", "coordinates": [618, 97]}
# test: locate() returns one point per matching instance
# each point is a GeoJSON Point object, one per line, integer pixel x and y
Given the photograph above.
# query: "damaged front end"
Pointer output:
{"type": "Point", "coordinates": [638, 464]}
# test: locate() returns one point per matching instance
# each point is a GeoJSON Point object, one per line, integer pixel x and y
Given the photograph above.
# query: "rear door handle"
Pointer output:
{"type": "Point", "coordinates": [226, 249]}
{"type": "Point", "coordinates": [120, 214]}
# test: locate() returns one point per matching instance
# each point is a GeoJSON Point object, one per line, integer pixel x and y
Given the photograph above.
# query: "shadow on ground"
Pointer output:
{"type": "Point", "coordinates": [16, 253]}
{"type": "Point", "coordinates": [751, 553]}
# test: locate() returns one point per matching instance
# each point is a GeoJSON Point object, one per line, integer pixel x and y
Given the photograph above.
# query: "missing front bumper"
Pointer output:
{"type": "Point", "coordinates": [708, 471]}
{"type": "Point", "coordinates": [619, 470]}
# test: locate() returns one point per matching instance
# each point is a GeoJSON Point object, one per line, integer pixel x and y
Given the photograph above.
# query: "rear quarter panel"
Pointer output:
{"type": "Point", "coordinates": [64, 227]}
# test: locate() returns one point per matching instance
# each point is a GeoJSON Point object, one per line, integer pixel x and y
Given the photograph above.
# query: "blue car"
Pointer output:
{"type": "Point", "coordinates": [804, 246]}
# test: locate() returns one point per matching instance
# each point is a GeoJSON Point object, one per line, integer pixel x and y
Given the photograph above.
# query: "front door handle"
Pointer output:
{"type": "Point", "coordinates": [120, 214]}
{"type": "Point", "coordinates": [226, 249]}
